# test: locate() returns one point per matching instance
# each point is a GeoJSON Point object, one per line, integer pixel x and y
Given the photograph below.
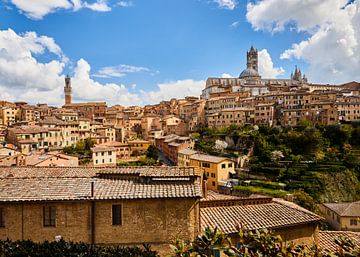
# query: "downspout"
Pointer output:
{"type": "Point", "coordinates": [92, 215]}
{"type": "Point", "coordinates": [22, 221]}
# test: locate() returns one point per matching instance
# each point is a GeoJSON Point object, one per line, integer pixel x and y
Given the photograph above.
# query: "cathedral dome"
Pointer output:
{"type": "Point", "coordinates": [249, 72]}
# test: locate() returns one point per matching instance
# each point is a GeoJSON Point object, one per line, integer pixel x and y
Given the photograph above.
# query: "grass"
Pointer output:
{"type": "Point", "coordinates": [261, 190]}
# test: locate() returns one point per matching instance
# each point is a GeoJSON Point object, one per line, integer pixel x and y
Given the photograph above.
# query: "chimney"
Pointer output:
{"type": "Point", "coordinates": [92, 189]}
{"type": "Point", "coordinates": [204, 185]}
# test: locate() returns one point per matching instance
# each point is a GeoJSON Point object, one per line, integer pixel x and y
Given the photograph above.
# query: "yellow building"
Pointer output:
{"type": "Point", "coordinates": [139, 146]}
{"type": "Point", "coordinates": [342, 216]}
{"type": "Point", "coordinates": [184, 157]}
{"type": "Point", "coordinates": [217, 169]}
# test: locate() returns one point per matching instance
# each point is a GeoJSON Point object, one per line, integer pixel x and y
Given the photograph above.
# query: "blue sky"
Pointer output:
{"type": "Point", "coordinates": [150, 43]}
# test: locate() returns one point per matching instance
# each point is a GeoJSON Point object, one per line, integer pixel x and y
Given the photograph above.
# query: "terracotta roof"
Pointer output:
{"type": "Point", "coordinates": [113, 144]}
{"type": "Point", "coordinates": [208, 158]}
{"type": "Point", "coordinates": [345, 209]}
{"type": "Point", "coordinates": [60, 184]}
{"type": "Point", "coordinates": [102, 149]}
{"type": "Point", "coordinates": [28, 129]}
{"type": "Point", "coordinates": [327, 239]}
{"type": "Point", "coordinates": [230, 219]}
{"type": "Point", "coordinates": [187, 151]}
{"type": "Point", "coordinates": [80, 172]}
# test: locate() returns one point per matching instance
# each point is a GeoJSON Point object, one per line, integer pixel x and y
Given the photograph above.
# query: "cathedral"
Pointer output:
{"type": "Point", "coordinates": [251, 81]}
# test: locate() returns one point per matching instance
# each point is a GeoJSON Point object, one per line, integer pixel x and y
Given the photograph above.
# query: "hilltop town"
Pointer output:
{"type": "Point", "coordinates": [243, 155]}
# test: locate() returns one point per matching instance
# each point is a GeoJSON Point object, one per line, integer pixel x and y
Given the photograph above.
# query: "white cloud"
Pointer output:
{"type": "Point", "coordinates": [24, 78]}
{"type": "Point", "coordinates": [266, 66]}
{"type": "Point", "coordinates": [226, 4]}
{"type": "Point", "coordinates": [122, 70]}
{"type": "Point", "coordinates": [37, 9]}
{"type": "Point", "coordinates": [125, 3]}
{"type": "Point", "coordinates": [332, 47]}
{"type": "Point", "coordinates": [226, 76]}
{"type": "Point", "coordinates": [235, 24]}
{"type": "Point", "coordinates": [98, 6]}
{"type": "Point", "coordinates": [86, 88]}
{"type": "Point", "coordinates": [173, 89]}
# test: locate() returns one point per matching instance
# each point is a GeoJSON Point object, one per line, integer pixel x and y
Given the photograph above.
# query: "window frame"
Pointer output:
{"type": "Point", "coordinates": [2, 217]}
{"type": "Point", "coordinates": [49, 216]}
{"type": "Point", "coordinates": [116, 218]}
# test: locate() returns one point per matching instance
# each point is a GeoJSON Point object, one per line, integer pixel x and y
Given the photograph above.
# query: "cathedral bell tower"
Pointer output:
{"type": "Point", "coordinates": [67, 90]}
{"type": "Point", "coordinates": [252, 59]}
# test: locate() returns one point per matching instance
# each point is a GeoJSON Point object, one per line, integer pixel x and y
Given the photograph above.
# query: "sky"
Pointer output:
{"type": "Point", "coordinates": [138, 52]}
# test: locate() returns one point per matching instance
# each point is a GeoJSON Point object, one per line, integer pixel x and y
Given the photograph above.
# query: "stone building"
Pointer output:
{"type": "Point", "coordinates": [121, 206]}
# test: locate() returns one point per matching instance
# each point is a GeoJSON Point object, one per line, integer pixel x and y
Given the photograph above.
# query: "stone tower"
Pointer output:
{"type": "Point", "coordinates": [252, 59]}
{"type": "Point", "coordinates": [67, 90]}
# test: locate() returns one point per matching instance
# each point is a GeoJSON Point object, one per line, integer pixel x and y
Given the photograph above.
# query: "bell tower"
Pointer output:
{"type": "Point", "coordinates": [67, 90]}
{"type": "Point", "coordinates": [252, 59]}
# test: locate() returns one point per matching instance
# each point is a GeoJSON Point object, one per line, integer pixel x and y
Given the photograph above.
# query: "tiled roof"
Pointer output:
{"type": "Point", "coordinates": [28, 129]}
{"type": "Point", "coordinates": [102, 149]}
{"type": "Point", "coordinates": [230, 219]}
{"type": "Point", "coordinates": [60, 184]}
{"type": "Point", "coordinates": [345, 209]}
{"type": "Point", "coordinates": [80, 172]}
{"type": "Point", "coordinates": [208, 158]}
{"type": "Point", "coordinates": [187, 151]}
{"type": "Point", "coordinates": [327, 239]}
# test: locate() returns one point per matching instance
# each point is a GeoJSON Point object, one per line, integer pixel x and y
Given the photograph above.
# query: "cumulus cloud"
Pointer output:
{"type": "Point", "coordinates": [173, 89]}
{"type": "Point", "coordinates": [24, 78]}
{"type": "Point", "coordinates": [226, 76]}
{"type": "Point", "coordinates": [38, 9]}
{"type": "Point", "coordinates": [125, 3]}
{"type": "Point", "coordinates": [122, 70]}
{"type": "Point", "coordinates": [266, 65]}
{"type": "Point", "coordinates": [332, 47]}
{"type": "Point", "coordinates": [226, 4]}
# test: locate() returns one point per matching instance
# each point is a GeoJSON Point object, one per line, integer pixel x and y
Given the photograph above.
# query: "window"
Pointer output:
{"type": "Point", "coordinates": [213, 183]}
{"type": "Point", "coordinates": [116, 214]}
{"type": "Point", "coordinates": [49, 215]}
{"type": "Point", "coordinates": [2, 218]}
{"type": "Point", "coordinates": [109, 153]}
{"type": "Point", "coordinates": [223, 166]}
{"type": "Point", "coordinates": [205, 165]}
{"type": "Point", "coordinates": [230, 165]}
{"type": "Point", "coordinates": [353, 222]}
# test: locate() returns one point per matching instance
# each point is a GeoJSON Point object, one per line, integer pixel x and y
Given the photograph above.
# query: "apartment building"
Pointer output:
{"type": "Point", "coordinates": [217, 169]}
{"type": "Point", "coordinates": [104, 156]}
{"type": "Point", "coordinates": [342, 216]}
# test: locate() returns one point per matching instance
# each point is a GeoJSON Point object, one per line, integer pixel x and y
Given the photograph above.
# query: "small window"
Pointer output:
{"type": "Point", "coordinates": [213, 183]}
{"type": "Point", "coordinates": [109, 152]}
{"type": "Point", "coordinates": [230, 165]}
{"type": "Point", "coordinates": [116, 215]}
{"type": "Point", "coordinates": [353, 222]}
{"type": "Point", "coordinates": [223, 166]}
{"type": "Point", "coordinates": [2, 218]}
{"type": "Point", "coordinates": [49, 214]}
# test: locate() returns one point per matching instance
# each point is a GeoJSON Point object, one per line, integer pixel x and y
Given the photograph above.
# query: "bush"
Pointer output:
{"type": "Point", "coordinates": [28, 248]}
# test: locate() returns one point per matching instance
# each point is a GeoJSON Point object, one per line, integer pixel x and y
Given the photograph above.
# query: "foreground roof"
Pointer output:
{"type": "Point", "coordinates": [327, 239]}
{"type": "Point", "coordinates": [345, 209]}
{"type": "Point", "coordinates": [80, 183]}
{"type": "Point", "coordinates": [232, 215]}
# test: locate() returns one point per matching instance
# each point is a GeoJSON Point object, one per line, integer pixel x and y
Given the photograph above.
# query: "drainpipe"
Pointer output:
{"type": "Point", "coordinates": [92, 215]}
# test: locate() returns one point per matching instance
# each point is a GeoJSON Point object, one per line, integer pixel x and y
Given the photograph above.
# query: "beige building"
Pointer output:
{"type": "Point", "coordinates": [104, 156]}
{"type": "Point", "coordinates": [342, 216]}
{"type": "Point", "coordinates": [184, 157]}
{"type": "Point", "coordinates": [231, 214]}
{"type": "Point", "coordinates": [123, 150]}
{"type": "Point", "coordinates": [111, 206]}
